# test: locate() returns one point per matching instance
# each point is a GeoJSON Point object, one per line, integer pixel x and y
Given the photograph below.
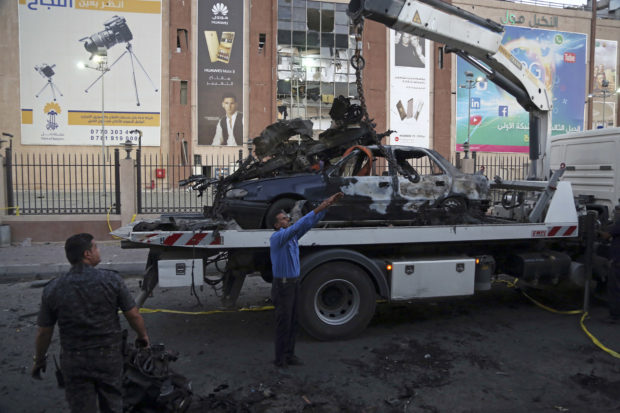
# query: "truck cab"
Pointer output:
{"type": "Point", "coordinates": [592, 160]}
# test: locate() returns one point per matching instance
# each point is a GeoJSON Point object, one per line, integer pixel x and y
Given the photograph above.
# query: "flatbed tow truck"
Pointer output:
{"type": "Point", "coordinates": [345, 270]}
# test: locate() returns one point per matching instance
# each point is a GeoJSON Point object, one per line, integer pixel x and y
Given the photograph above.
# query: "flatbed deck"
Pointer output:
{"type": "Point", "coordinates": [560, 222]}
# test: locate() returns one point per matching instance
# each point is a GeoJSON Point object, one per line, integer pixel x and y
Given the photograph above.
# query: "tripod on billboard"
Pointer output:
{"type": "Point", "coordinates": [47, 71]}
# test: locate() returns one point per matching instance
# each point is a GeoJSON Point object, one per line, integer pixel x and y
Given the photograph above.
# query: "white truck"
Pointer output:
{"type": "Point", "coordinates": [592, 160]}
{"type": "Point", "coordinates": [344, 270]}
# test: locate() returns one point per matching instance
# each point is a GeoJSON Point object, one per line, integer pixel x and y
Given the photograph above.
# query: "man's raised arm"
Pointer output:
{"type": "Point", "coordinates": [328, 202]}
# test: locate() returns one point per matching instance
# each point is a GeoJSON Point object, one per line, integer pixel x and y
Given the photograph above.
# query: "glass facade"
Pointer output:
{"type": "Point", "coordinates": [315, 44]}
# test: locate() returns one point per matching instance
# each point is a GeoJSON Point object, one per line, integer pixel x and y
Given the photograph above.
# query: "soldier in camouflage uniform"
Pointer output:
{"type": "Point", "coordinates": [85, 302]}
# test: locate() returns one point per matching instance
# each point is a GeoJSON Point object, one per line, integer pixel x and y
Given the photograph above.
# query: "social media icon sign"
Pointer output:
{"type": "Point", "coordinates": [502, 111]}
{"type": "Point", "coordinates": [475, 103]}
{"type": "Point", "coordinates": [475, 120]}
{"type": "Point", "coordinates": [570, 57]}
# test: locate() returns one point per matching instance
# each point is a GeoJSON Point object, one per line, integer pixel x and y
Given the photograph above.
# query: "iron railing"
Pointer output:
{"type": "Point", "coordinates": [158, 179]}
{"type": "Point", "coordinates": [73, 184]}
{"type": "Point", "coordinates": [44, 184]}
{"type": "Point", "coordinates": [509, 167]}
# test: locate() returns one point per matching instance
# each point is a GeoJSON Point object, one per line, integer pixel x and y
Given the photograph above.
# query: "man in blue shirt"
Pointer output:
{"type": "Point", "coordinates": [284, 250]}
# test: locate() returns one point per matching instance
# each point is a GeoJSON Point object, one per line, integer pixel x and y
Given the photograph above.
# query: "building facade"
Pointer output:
{"type": "Point", "coordinates": [220, 71]}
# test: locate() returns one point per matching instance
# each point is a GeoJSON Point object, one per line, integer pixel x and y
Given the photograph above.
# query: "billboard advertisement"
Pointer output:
{"type": "Point", "coordinates": [409, 90]}
{"type": "Point", "coordinates": [65, 83]}
{"type": "Point", "coordinates": [605, 82]}
{"type": "Point", "coordinates": [220, 72]}
{"type": "Point", "coordinates": [494, 120]}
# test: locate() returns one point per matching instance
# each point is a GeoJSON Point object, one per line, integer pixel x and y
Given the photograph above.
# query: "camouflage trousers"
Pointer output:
{"type": "Point", "coordinates": [93, 377]}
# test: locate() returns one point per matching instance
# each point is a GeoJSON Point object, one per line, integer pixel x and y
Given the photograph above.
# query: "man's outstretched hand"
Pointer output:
{"type": "Point", "coordinates": [334, 198]}
{"type": "Point", "coordinates": [328, 202]}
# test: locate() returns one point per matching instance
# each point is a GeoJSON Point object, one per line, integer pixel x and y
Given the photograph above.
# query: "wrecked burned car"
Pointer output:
{"type": "Point", "coordinates": [376, 191]}
{"type": "Point", "coordinates": [383, 185]}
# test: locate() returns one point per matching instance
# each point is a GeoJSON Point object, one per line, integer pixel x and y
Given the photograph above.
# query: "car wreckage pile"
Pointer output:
{"type": "Point", "coordinates": [293, 172]}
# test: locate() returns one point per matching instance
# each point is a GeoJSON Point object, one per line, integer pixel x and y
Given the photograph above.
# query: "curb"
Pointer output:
{"type": "Point", "coordinates": [29, 272]}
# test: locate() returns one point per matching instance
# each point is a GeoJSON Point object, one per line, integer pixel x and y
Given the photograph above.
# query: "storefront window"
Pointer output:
{"type": "Point", "coordinates": [315, 44]}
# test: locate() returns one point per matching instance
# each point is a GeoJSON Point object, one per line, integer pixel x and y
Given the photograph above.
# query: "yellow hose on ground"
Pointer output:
{"type": "Point", "coordinates": [244, 309]}
{"type": "Point", "coordinates": [596, 341]}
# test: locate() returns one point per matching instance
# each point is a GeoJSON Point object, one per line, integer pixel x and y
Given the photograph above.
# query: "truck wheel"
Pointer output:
{"type": "Point", "coordinates": [337, 301]}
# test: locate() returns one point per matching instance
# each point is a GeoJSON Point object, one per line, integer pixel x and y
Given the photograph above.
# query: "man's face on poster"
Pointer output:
{"type": "Point", "coordinates": [405, 39]}
{"type": "Point", "coordinates": [230, 106]}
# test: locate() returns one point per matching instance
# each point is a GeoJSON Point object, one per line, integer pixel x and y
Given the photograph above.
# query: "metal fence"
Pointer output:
{"type": "Point", "coordinates": [43, 184]}
{"type": "Point", "coordinates": [158, 179]}
{"type": "Point", "coordinates": [510, 167]}
{"type": "Point", "coordinates": [507, 167]}
{"type": "Point", "coordinates": [75, 184]}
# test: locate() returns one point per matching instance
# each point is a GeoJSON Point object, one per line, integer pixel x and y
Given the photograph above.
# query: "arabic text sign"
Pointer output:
{"type": "Point", "coordinates": [534, 21]}
{"type": "Point", "coordinates": [558, 59]}
{"type": "Point", "coordinates": [128, 6]}
{"type": "Point", "coordinates": [62, 104]}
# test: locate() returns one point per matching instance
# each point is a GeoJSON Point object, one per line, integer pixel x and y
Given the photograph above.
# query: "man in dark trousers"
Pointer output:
{"type": "Point", "coordinates": [85, 302]}
{"type": "Point", "coordinates": [284, 250]}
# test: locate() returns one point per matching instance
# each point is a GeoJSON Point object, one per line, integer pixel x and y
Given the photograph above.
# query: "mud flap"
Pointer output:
{"type": "Point", "coordinates": [150, 279]}
{"type": "Point", "coordinates": [233, 281]}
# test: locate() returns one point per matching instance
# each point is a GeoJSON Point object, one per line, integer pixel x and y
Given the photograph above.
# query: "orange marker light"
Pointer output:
{"type": "Point", "coordinates": [389, 267]}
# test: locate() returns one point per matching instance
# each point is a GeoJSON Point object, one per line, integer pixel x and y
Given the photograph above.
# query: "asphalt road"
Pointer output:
{"type": "Point", "coordinates": [494, 352]}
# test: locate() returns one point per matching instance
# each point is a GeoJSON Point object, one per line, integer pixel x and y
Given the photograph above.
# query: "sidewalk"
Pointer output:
{"type": "Point", "coordinates": [24, 262]}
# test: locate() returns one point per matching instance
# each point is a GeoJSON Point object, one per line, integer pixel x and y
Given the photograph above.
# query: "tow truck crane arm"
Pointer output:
{"type": "Point", "coordinates": [478, 41]}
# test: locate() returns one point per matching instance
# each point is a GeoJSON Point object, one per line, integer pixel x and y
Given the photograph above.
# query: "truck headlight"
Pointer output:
{"type": "Point", "coordinates": [236, 193]}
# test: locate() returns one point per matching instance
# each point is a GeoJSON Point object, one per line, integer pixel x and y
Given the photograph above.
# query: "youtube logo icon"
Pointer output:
{"type": "Point", "coordinates": [475, 120]}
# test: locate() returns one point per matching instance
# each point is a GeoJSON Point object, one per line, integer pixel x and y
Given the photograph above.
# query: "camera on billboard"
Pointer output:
{"type": "Point", "coordinates": [45, 70]}
{"type": "Point", "coordinates": [116, 31]}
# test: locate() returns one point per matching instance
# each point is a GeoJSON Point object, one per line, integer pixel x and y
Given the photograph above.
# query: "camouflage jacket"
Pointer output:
{"type": "Point", "coordinates": [85, 303]}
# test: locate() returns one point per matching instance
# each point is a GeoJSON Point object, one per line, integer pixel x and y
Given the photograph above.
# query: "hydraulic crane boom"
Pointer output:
{"type": "Point", "coordinates": [478, 41]}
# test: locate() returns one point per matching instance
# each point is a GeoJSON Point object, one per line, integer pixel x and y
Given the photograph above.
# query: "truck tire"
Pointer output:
{"type": "Point", "coordinates": [337, 301]}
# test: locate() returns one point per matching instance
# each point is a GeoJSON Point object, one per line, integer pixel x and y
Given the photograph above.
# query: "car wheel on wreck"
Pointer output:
{"type": "Point", "coordinates": [284, 204]}
{"type": "Point", "coordinates": [454, 204]}
{"type": "Point", "coordinates": [337, 301]}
